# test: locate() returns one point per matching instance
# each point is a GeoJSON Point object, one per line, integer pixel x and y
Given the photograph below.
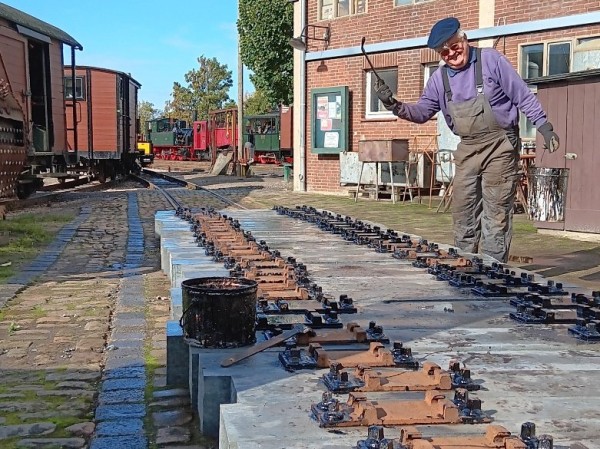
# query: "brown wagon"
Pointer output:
{"type": "Point", "coordinates": [32, 109]}
{"type": "Point", "coordinates": [104, 107]}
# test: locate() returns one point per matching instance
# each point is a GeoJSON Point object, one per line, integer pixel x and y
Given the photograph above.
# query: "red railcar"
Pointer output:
{"type": "Point", "coordinates": [172, 139]}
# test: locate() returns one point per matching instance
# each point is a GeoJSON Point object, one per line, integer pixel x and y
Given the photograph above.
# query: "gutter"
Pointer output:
{"type": "Point", "coordinates": [534, 26]}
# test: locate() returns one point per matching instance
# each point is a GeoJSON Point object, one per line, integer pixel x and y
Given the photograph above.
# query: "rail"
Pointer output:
{"type": "Point", "coordinates": [179, 183]}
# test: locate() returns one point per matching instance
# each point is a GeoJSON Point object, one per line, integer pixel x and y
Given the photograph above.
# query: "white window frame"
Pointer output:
{"type": "Point", "coordinates": [545, 54]}
{"type": "Point", "coordinates": [523, 121]}
{"type": "Point", "coordinates": [353, 6]}
{"type": "Point", "coordinates": [369, 93]}
{"type": "Point", "coordinates": [79, 87]}
{"type": "Point", "coordinates": [427, 72]}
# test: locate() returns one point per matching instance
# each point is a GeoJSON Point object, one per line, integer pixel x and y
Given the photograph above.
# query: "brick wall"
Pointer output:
{"type": "Point", "coordinates": [382, 23]}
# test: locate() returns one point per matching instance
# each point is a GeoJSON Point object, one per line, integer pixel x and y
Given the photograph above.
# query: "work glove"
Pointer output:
{"type": "Point", "coordinates": [384, 93]}
{"type": "Point", "coordinates": [551, 140]}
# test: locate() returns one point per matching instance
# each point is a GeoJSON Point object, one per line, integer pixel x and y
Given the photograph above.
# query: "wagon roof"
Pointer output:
{"type": "Point", "coordinates": [103, 69]}
{"type": "Point", "coordinates": [20, 18]}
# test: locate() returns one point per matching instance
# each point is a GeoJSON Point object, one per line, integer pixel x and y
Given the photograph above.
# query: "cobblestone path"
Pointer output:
{"type": "Point", "coordinates": [82, 338]}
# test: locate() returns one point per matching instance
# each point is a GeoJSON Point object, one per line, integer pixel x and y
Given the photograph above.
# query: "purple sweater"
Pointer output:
{"type": "Point", "coordinates": [503, 87]}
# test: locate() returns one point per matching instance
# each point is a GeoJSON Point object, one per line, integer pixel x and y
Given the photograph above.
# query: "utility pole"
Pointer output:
{"type": "Point", "coordinates": [240, 121]}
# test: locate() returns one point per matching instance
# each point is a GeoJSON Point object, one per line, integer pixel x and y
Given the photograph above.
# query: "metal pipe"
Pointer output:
{"type": "Point", "coordinates": [301, 175]}
{"type": "Point", "coordinates": [75, 142]}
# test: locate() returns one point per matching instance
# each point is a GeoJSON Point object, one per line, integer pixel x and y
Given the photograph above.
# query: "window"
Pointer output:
{"type": "Point", "coordinates": [330, 9]}
{"type": "Point", "coordinates": [79, 93]}
{"type": "Point", "coordinates": [582, 54]}
{"type": "Point", "coordinates": [375, 108]}
{"type": "Point", "coordinates": [428, 70]}
{"type": "Point", "coordinates": [559, 58]}
{"type": "Point", "coordinates": [545, 59]}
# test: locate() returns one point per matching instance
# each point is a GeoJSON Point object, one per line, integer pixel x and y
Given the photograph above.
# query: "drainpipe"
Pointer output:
{"type": "Point", "coordinates": [300, 102]}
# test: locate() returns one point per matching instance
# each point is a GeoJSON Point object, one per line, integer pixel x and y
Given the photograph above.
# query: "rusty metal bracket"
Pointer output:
{"type": "Point", "coordinates": [359, 411]}
{"type": "Point", "coordinates": [430, 377]}
{"type": "Point", "coordinates": [495, 437]}
{"type": "Point", "coordinates": [375, 356]}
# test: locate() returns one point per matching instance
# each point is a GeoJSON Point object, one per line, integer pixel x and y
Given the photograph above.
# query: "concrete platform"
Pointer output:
{"type": "Point", "coordinates": [528, 373]}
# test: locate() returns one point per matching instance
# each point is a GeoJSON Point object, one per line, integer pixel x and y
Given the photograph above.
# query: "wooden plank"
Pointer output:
{"type": "Point", "coordinates": [104, 104]}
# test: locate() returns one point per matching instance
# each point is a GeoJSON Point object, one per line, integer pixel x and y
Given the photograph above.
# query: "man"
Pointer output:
{"type": "Point", "coordinates": [480, 95]}
{"type": "Point", "coordinates": [249, 147]}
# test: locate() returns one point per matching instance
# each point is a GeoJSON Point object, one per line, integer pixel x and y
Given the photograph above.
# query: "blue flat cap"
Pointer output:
{"type": "Point", "coordinates": [442, 31]}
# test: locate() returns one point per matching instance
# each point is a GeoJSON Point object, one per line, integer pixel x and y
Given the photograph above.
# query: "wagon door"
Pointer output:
{"type": "Point", "coordinates": [13, 49]}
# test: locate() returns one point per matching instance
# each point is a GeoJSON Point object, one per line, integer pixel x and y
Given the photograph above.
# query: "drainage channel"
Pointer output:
{"type": "Point", "coordinates": [121, 406]}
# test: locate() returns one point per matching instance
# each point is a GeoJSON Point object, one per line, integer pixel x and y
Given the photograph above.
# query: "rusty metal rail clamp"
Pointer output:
{"type": "Point", "coordinates": [494, 437]}
{"type": "Point", "coordinates": [434, 409]}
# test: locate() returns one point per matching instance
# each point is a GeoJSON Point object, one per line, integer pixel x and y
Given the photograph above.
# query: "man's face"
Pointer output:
{"type": "Point", "coordinates": [455, 52]}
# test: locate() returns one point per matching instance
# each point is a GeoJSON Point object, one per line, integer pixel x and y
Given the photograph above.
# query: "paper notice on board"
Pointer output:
{"type": "Point", "coordinates": [332, 140]}
{"type": "Point", "coordinates": [326, 124]}
{"type": "Point", "coordinates": [338, 107]}
{"type": "Point", "coordinates": [333, 110]}
{"type": "Point", "coordinates": [322, 107]}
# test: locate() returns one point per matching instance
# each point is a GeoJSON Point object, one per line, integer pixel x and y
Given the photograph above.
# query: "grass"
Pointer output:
{"type": "Point", "coordinates": [25, 235]}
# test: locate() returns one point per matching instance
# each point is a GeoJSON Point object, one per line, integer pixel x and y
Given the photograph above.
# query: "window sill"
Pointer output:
{"type": "Point", "coordinates": [348, 16]}
{"type": "Point", "coordinates": [378, 119]}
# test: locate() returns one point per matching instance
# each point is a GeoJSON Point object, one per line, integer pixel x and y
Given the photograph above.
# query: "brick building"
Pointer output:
{"type": "Point", "coordinates": [539, 37]}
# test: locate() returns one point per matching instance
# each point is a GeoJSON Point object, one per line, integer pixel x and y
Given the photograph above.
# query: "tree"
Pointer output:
{"type": "Point", "coordinates": [257, 103]}
{"type": "Point", "coordinates": [265, 27]}
{"type": "Point", "coordinates": [207, 89]}
{"type": "Point", "coordinates": [146, 111]}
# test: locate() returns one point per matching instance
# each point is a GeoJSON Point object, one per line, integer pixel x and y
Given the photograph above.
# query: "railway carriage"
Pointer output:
{"type": "Point", "coordinates": [173, 139]}
{"type": "Point", "coordinates": [103, 105]}
{"type": "Point", "coordinates": [32, 108]}
{"type": "Point", "coordinates": [58, 120]}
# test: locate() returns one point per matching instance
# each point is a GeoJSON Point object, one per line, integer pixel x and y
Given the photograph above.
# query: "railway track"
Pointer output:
{"type": "Point", "coordinates": [165, 183]}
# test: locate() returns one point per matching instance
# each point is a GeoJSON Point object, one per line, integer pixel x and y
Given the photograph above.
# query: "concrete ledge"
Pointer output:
{"type": "Point", "coordinates": [177, 355]}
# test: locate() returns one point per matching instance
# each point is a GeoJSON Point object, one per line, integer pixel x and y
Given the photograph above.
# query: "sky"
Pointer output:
{"type": "Point", "coordinates": [157, 42]}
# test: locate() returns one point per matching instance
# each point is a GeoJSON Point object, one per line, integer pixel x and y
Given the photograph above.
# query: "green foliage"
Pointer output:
{"type": "Point", "coordinates": [207, 89]}
{"type": "Point", "coordinates": [230, 104]}
{"type": "Point", "coordinates": [27, 234]}
{"type": "Point", "coordinates": [265, 27]}
{"type": "Point", "coordinates": [257, 103]}
{"type": "Point", "coordinates": [146, 111]}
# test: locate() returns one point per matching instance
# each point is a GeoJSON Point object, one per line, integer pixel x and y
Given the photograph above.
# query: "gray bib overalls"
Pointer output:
{"type": "Point", "coordinates": [486, 173]}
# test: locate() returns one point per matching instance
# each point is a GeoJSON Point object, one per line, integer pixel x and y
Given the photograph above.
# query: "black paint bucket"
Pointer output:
{"type": "Point", "coordinates": [219, 312]}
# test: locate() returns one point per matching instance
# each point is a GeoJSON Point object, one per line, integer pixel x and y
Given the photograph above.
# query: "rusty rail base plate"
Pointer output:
{"type": "Point", "coordinates": [430, 377]}
{"type": "Point", "coordinates": [352, 333]}
{"type": "Point", "coordinates": [359, 411]}
{"type": "Point", "coordinates": [494, 437]}
{"type": "Point", "coordinates": [375, 356]}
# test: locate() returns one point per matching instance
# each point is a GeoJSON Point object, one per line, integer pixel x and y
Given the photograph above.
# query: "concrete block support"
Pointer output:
{"type": "Point", "coordinates": [177, 355]}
